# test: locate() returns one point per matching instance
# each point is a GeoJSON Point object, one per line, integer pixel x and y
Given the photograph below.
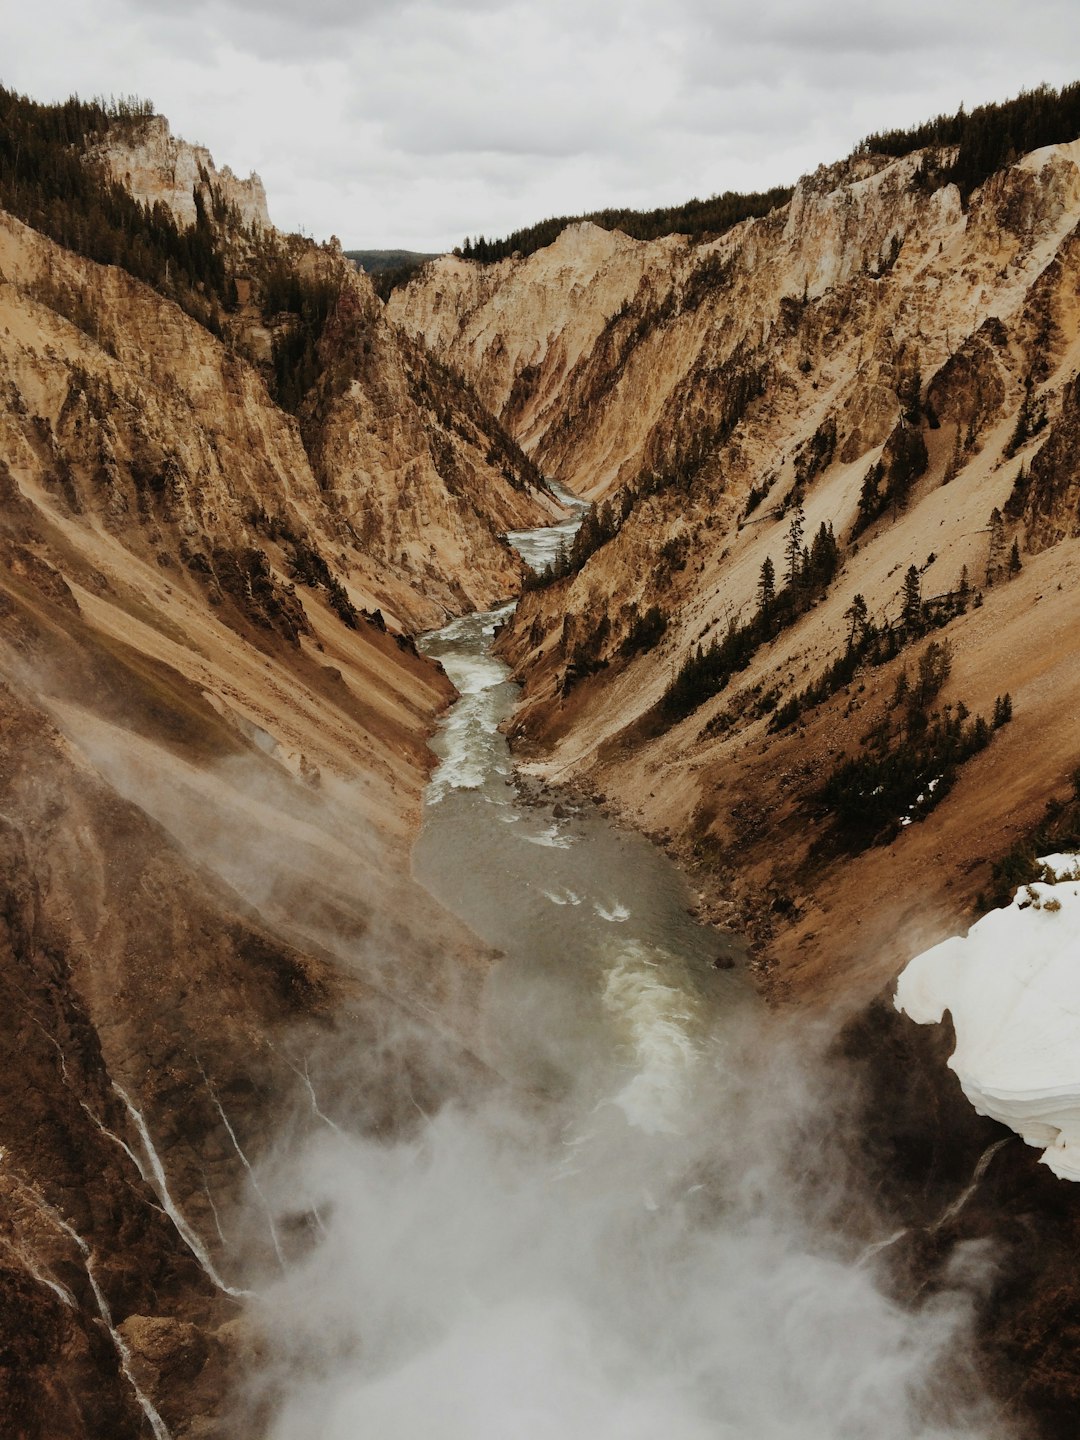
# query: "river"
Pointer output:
{"type": "Point", "coordinates": [655, 1230]}
{"type": "Point", "coordinates": [606, 977]}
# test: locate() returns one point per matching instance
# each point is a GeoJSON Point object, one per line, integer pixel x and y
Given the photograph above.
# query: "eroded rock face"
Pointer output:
{"type": "Point", "coordinates": [152, 425]}
{"type": "Point", "coordinates": [1050, 493]}
{"type": "Point", "coordinates": [176, 997]}
{"type": "Point", "coordinates": [214, 730]}
{"type": "Point", "coordinates": [417, 474]}
{"type": "Point", "coordinates": [519, 330]}
{"type": "Point", "coordinates": [887, 357]}
{"type": "Point", "coordinates": [159, 167]}
{"type": "Point", "coordinates": [597, 352]}
{"type": "Point", "coordinates": [965, 1187]}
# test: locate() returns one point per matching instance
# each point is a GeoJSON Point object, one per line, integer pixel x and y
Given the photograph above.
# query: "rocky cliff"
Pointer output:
{"type": "Point", "coordinates": [232, 487]}
{"type": "Point", "coordinates": [158, 167]}
{"type": "Point", "coordinates": [214, 728]}
{"type": "Point", "coordinates": [882, 372]}
{"type": "Point", "coordinates": [524, 331]}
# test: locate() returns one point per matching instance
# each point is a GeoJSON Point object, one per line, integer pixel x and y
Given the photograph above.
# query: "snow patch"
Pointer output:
{"type": "Point", "coordinates": [1012, 986]}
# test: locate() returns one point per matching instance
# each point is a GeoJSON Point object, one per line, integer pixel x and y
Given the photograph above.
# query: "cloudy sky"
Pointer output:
{"type": "Point", "coordinates": [417, 122]}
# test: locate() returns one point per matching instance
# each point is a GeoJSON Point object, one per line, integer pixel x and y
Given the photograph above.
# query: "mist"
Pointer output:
{"type": "Point", "coordinates": [576, 1269]}
{"type": "Point", "coordinates": [647, 1216]}
{"type": "Point", "coordinates": [651, 1221]}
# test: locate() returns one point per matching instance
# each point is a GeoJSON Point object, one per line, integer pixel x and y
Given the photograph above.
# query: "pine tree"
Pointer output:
{"type": "Point", "coordinates": [1014, 559]}
{"type": "Point", "coordinates": [858, 616]}
{"type": "Point", "coordinates": [870, 502]}
{"type": "Point", "coordinates": [912, 611]}
{"type": "Point", "coordinates": [793, 549]}
{"type": "Point", "coordinates": [823, 557]}
{"type": "Point", "coordinates": [956, 460]}
{"type": "Point", "coordinates": [909, 393]}
{"type": "Point", "coordinates": [766, 584]}
{"type": "Point", "coordinates": [996, 549]}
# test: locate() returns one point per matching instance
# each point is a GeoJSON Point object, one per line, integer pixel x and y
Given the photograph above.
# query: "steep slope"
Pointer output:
{"type": "Point", "coordinates": [878, 360]}
{"type": "Point", "coordinates": [412, 464]}
{"type": "Point", "coordinates": [214, 728]}
{"type": "Point", "coordinates": [158, 167]}
{"type": "Point", "coordinates": [522, 330]}
{"type": "Point", "coordinates": [409, 458]}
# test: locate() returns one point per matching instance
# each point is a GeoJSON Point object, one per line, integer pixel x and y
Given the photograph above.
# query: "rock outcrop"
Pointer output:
{"type": "Point", "coordinates": [160, 168]}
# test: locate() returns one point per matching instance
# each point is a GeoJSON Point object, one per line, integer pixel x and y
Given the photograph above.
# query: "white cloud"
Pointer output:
{"type": "Point", "coordinates": [415, 123]}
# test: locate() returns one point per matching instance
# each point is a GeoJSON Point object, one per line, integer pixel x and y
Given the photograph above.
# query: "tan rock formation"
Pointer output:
{"type": "Point", "coordinates": [214, 721]}
{"type": "Point", "coordinates": [783, 358]}
{"type": "Point", "coordinates": [157, 166]}
{"type": "Point", "coordinates": [520, 330]}
{"type": "Point", "coordinates": [214, 726]}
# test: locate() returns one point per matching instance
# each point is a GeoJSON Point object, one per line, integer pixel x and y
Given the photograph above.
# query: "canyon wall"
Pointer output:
{"type": "Point", "coordinates": [226, 509]}
{"type": "Point", "coordinates": [877, 358]}
{"type": "Point", "coordinates": [214, 725]}
{"type": "Point", "coordinates": [157, 166]}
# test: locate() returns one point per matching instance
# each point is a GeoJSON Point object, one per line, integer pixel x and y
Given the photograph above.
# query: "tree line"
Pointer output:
{"type": "Point", "coordinates": [47, 181]}
{"type": "Point", "coordinates": [988, 137]}
{"type": "Point", "coordinates": [695, 217]}
{"type": "Point", "coordinates": [985, 138]}
{"type": "Point", "coordinates": [809, 571]}
{"type": "Point", "coordinates": [908, 764]}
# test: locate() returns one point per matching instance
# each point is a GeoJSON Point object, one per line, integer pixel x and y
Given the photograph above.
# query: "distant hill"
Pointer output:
{"type": "Point", "coordinates": [985, 139]}
{"type": "Point", "coordinates": [376, 261]}
{"type": "Point", "coordinates": [695, 217]}
{"type": "Point", "coordinates": [389, 268]}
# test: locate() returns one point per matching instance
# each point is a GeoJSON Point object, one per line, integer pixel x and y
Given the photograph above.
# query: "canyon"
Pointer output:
{"type": "Point", "coordinates": [215, 725]}
{"type": "Point", "coordinates": [729, 384]}
{"type": "Point", "coordinates": [230, 506]}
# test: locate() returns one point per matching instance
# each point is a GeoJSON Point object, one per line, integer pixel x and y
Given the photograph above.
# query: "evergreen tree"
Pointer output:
{"type": "Point", "coordinates": [1014, 559]}
{"type": "Point", "coordinates": [869, 496]}
{"type": "Point", "coordinates": [911, 614]}
{"type": "Point", "coordinates": [766, 584]}
{"type": "Point", "coordinates": [955, 461]}
{"type": "Point", "coordinates": [823, 557]}
{"type": "Point", "coordinates": [996, 549]}
{"type": "Point", "coordinates": [1030, 418]}
{"type": "Point", "coordinates": [858, 616]}
{"type": "Point", "coordinates": [793, 550]}
{"type": "Point", "coordinates": [1014, 505]}
{"type": "Point", "coordinates": [909, 394]}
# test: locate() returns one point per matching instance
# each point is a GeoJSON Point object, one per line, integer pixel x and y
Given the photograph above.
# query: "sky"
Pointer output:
{"type": "Point", "coordinates": [414, 123]}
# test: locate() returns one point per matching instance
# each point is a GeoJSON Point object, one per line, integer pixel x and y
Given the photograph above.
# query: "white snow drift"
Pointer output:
{"type": "Point", "coordinates": [1012, 986]}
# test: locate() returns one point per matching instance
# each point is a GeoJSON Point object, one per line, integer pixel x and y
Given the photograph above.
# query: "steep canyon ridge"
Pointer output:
{"type": "Point", "coordinates": [816, 637]}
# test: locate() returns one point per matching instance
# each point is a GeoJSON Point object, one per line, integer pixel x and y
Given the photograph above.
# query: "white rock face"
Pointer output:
{"type": "Point", "coordinates": [153, 164]}
{"type": "Point", "coordinates": [1012, 986]}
